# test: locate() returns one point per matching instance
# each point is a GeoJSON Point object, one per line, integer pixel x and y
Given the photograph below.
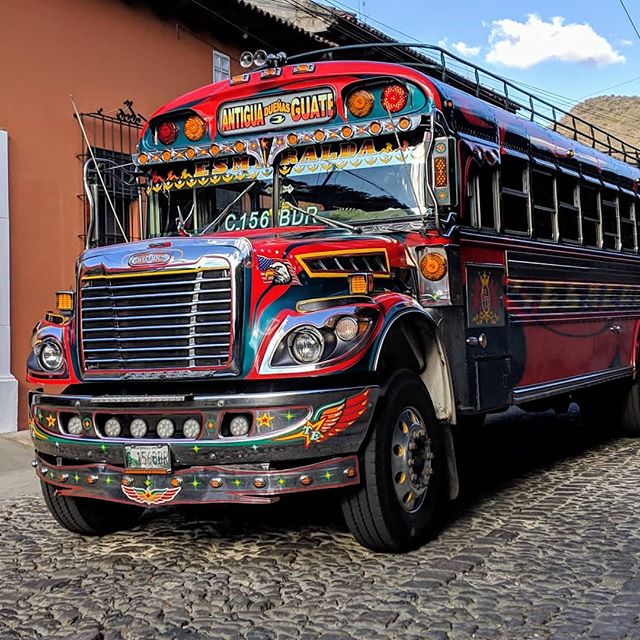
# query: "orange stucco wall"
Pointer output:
{"type": "Point", "coordinates": [102, 52]}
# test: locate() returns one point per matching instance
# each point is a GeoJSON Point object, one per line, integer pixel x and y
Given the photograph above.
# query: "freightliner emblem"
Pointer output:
{"type": "Point", "coordinates": [141, 259]}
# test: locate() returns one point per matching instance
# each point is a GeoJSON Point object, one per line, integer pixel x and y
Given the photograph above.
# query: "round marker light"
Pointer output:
{"type": "Point", "coordinates": [167, 132]}
{"type": "Point", "coordinates": [138, 428]}
{"type": "Point", "coordinates": [347, 328]}
{"type": "Point", "coordinates": [360, 103]}
{"type": "Point", "coordinates": [433, 266]}
{"type": "Point", "coordinates": [50, 355]}
{"type": "Point", "coordinates": [394, 98]}
{"type": "Point", "coordinates": [195, 128]}
{"type": "Point", "coordinates": [74, 426]}
{"type": "Point", "coordinates": [191, 429]}
{"type": "Point", "coordinates": [239, 426]}
{"type": "Point", "coordinates": [307, 345]}
{"type": "Point", "coordinates": [112, 428]}
{"type": "Point", "coordinates": [165, 428]}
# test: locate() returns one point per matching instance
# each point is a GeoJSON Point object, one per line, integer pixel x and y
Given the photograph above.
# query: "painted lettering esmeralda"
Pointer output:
{"type": "Point", "coordinates": [277, 111]}
{"type": "Point", "coordinates": [213, 172]}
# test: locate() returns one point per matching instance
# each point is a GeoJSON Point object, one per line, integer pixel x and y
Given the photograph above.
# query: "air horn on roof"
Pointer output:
{"type": "Point", "coordinates": [262, 59]}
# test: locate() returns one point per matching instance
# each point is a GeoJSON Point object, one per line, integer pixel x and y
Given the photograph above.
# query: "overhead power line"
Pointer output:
{"type": "Point", "coordinates": [633, 24]}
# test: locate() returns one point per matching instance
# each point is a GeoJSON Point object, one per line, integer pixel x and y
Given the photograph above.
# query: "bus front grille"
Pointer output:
{"type": "Point", "coordinates": [157, 320]}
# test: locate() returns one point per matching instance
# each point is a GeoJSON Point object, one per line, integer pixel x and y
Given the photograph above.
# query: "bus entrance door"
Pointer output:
{"type": "Point", "coordinates": [486, 335]}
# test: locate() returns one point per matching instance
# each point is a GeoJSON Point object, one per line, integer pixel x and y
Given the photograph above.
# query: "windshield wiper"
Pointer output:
{"type": "Point", "coordinates": [224, 212]}
{"type": "Point", "coordinates": [328, 221]}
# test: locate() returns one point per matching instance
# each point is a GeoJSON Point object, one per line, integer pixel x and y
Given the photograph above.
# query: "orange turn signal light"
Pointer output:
{"type": "Point", "coordinates": [360, 103]}
{"type": "Point", "coordinates": [360, 283]}
{"type": "Point", "coordinates": [195, 128]}
{"type": "Point", "coordinates": [64, 300]}
{"type": "Point", "coordinates": [433, 266]}
{"type": "Point", "coordinates": [440, 171]}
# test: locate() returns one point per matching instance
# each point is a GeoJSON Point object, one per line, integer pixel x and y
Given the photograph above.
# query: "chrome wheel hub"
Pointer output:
{"type": "Point", "coordinates": [411, 459]}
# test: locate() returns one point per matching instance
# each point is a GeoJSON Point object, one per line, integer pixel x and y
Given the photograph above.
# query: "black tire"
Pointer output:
{"type": "Point", "coordinates": [87, 516]}
{"type": "Point", "coordinates": [630, 418]}
{"type": "Point", "coordinates": [373, 511]}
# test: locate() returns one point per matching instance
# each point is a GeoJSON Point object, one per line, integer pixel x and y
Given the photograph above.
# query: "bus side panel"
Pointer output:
{"type": "Point", "coordinates": [558, 350]}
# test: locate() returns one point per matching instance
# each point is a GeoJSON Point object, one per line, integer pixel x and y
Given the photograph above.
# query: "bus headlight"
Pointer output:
{"type": "Point", "coordinates": [318, 339]}
{"type": "Point", "coordinates": [306, 345]}
{"type": "Point", "coordinates": [50, 354]}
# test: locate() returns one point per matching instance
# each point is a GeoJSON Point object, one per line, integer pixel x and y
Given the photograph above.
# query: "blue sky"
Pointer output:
{"type": "Point", "coordinates": [572, 48]}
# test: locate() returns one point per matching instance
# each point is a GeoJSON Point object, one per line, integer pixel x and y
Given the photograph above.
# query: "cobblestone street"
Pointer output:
{"type": "Point", "coordinates": [544, 543]}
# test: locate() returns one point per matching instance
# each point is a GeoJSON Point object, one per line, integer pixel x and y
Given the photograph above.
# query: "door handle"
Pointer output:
{"type": "Point", "coordinates": [615, 328]}
{"type": "Point", "coordinates": [478, 341]}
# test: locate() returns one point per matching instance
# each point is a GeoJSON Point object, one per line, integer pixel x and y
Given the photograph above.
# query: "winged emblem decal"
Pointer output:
{"type": "Point", "coordinates": [329, 420]}
{"type": "Point", "coordinates": [150, 497]}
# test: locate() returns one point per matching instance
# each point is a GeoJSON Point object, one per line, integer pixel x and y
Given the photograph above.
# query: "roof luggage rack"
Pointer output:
{"type": "Point", "coordinates": [486, 85]}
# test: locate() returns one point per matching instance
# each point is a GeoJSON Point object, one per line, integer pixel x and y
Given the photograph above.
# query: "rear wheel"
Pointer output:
{"type": "Point", "coordinates": [403, 472]}
{"type": "Point", "coordinates": [87, 516]}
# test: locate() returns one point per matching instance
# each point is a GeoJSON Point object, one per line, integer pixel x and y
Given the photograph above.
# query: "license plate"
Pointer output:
{"type": "Point", "coordinates": [152, 458]}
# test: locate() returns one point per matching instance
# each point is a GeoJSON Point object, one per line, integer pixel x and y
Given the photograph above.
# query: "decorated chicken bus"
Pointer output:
{"type": "Point", "coordinates": [343, 261]}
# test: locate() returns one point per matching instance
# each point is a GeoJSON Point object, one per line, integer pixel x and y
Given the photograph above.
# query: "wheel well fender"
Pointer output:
{"type": "Point", "coordinates": [411, 340]}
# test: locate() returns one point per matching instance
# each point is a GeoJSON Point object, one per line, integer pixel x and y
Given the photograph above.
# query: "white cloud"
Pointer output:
{"type": "Point", "coordinates": [626, 43]}
{"type": "Point", "coordinates": [465, 50]}
{"type": "Point", "coordinates": [525, 44]}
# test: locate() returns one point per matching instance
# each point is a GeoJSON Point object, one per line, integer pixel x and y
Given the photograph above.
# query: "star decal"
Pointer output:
{"type": "Point", "coordinates": [289, 416]}
{"type": "Point", "coordinates": [237, 482]}
{"type": "Point", "coordinates": [108, 480]}
{"type": "Point", "coordinates": [195, 484]}
{"type": "Point", "coordinates": [281, 482]}
{"type": "Point", "coordinates": [51, 420]}
{"type": "Point", "coordinates": [76, 477]}
{"type": "Point", "coordinates": [147, 483]}
{"type": "Point", "coordinates": [103, 447]}
{"type": "Point", "coordinates": [328, 475]}
{"type": "Point", "coordinates": [196, 448]}
{"type": "Point", "coordinates": [265, 420]}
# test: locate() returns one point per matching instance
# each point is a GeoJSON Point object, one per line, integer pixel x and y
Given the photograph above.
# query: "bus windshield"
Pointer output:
{"type": "Point", "coordinates": [351, 182]}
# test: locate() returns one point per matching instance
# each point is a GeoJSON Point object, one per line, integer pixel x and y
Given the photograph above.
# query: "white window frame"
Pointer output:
{"type": "Point", "coordinates": [219, 70]}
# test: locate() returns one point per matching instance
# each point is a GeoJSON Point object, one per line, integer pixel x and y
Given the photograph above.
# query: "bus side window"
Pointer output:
{"type": "Point", "coordinates": [609, 210]}
{"type": "Point", "coordinates": [515, 209]}
{"type": "Point", "coordinates": [627, 224]}
{"type": "Point", "coordinates": [543, 198]}
{"type": "Point", "coordinates": [482, 197]}
{"type": "Point", "coordinates": [568, 209]}
{"type": "Point", "coordinates": [590, 210]}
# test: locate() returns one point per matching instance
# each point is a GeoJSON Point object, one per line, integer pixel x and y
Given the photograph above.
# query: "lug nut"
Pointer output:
{"type": "Point", "coordinates": [414, 477]}
{"type": "Point", "coordinates": [412, 446]}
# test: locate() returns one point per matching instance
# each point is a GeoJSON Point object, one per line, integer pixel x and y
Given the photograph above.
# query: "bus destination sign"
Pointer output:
{"type": "Point", "coordinates": [277, 112]}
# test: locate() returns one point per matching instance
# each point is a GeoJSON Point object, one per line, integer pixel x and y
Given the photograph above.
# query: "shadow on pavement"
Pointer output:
{"type": "Point", "coordinates": [506, 448]}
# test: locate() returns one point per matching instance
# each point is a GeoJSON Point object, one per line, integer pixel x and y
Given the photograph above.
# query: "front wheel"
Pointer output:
{"type": "Point", "coordinates": [403, 475]}
{"type": "Point", "coordinates": [87, 516]}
